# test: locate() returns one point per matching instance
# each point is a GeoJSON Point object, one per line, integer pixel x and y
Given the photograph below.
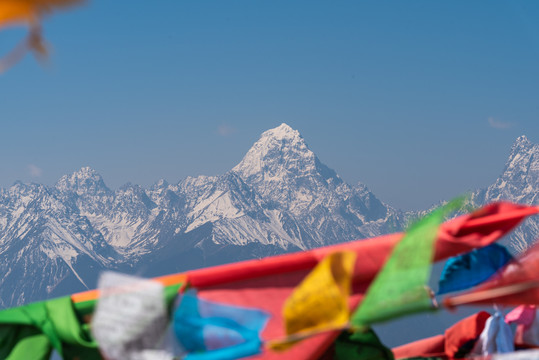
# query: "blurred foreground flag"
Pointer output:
{"type": "Point", "coordinates": [470, 269]}
{"type": "Point", "coordinates": [130, 319]}
{"type": "Point", "coordinates": [361, 345]}
{"type": "Point", "coordinates": [28, 13]}
{"type": "Point", "coordinates": [496, 338]}
{"type": "Point", "coordinates": [401, 286]}
{"type": "Point", "coordinates": [320, 302]}
{"type": "Point", "coordinates": [208, 330]}
{"type": "Point", "coordinates": [527, 325]}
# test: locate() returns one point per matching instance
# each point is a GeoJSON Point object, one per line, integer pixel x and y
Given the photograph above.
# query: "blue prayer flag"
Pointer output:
{"type": "Point", "coordinates": [470, 269]}
{"type": "Point", "coordinates": [208, 330]}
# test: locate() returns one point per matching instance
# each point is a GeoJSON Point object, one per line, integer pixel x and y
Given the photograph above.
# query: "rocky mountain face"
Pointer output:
{"type": "Point", "coordinates": [519, 183]}
{"type": "Point", "coordinates": [279, 198]}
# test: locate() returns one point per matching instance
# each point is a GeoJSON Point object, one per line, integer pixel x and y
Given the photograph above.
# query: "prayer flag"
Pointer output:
{"type": "Point", "coordinates": [456, 342]}
{"type": "Point", "coordinates": [401, 286]}
{"type": "Point", "coordinates": [208, 330]}
{"type": "Point", "coordinates": [320, 302]}
{"type": "Point", "coordinates": [470, 269]}
{"type": "Point", "coordinates": [29, 13]}
{"type": "Point", "coordinates": [495, 338]}
{"type": "Point", "coordinates": [517, 283]}
{"type": "Point", "coordinates": [527, 329]}
{"type": "Point", "coordinates": [13, 11]}
{"type": "Point", "coordinates": [33, 331]}
{"type": "Point", "coordinates": [131, 318]}
{"type": "Point", "coordinates": [517, 355]}
{"type": "Point", "coordinates": [361, 345]}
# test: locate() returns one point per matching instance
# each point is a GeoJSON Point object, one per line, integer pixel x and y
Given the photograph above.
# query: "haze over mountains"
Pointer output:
{"type": "Point", "coordinates": [54, 240]}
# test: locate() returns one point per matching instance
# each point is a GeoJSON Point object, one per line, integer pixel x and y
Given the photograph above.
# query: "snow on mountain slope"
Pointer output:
{"type": "Point", "coordinates": [45, 244]}
{"type": "Point", "coordinates": [290, 177]}
{"type": "Point", "coordinates": [519, 182]}
{"type": "Point", "coordinates": [520, 177]}
{"type": "Point", "coordinates": [238, 213]}
{"type": "Point", "coordinates": [282, 168]}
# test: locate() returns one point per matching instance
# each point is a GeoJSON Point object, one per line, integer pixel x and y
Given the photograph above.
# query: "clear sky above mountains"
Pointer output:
{"type": "Point", "coordinates": [418, 100]}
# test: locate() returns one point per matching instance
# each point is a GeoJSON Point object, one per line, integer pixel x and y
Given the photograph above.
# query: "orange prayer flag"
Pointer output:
{"type": "Point", "coordinates": [15, 12]}
{"type": "Point", "coordinates": [28, 13]}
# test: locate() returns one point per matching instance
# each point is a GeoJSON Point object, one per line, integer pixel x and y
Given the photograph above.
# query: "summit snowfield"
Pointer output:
{"type": "Point", "coordinates": [279, 198]}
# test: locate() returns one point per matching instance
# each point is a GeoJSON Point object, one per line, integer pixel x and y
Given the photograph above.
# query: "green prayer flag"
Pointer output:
{"type": "Point", "coordinates": [32, 331]}
{"type": "Point", "coordinates": [400, 287]}
{"type": "Point", "coordinates": [18, 342]}
{"type": "Point", "coordinates": [361, 345]}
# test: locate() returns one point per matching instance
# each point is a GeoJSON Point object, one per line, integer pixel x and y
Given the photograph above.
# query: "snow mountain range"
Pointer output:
{"type": "Point", "coordinates": [54, 240]}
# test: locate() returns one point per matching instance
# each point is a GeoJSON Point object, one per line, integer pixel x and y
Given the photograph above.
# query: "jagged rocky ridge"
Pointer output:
{"type": "Point", "coordinates": [519, 183]}
{"type": "Point", "coordinates": [279, 198]}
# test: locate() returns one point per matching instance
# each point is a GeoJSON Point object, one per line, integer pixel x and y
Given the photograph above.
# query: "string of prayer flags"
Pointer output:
{"type": "Point", "coordinates": [211, 331]}
{"type": "Point", "coordinates": [320, 302]}
{"type": "Point", "coordinates": [472, 268]}
{"type": "Point", "coordinates": [401, 286]}
{"type": "Point", "coordinates": [130, 318]}
{"type": "Point", "coordinates": [270, 281]}
{"type": "Point", "coordinates": [30, 14]}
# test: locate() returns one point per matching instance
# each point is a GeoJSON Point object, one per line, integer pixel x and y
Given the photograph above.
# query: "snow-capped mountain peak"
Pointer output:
{"type": "Point", "coordinates": [290, 177]}
{"type": "Point", "coordinates": [85, 181]}
{"type": "Point", "coordinates": [522, 141]}
{"type": "Point", "coordinates": [278, 152]}
{"type": "Point", "coordinates": [283, 131]}
{"type": "Point", "coordinates": [281, 161]}
{"type": "Point", "coordinates": [520, 176]}
{"type": "Point", "coordinates": [518, 183]}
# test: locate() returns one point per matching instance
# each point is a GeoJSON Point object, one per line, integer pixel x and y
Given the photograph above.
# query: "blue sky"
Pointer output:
{"type": "Point", "coordinates": [419, 100]}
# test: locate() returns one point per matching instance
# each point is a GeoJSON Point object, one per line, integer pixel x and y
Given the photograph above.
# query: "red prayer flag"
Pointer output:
{"type": "Point", "coordinates": [450, 343]}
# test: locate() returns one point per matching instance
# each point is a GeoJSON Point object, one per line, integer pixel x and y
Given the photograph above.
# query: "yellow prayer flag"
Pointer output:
{"type": "Point", "coordinates": [320, 302]}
